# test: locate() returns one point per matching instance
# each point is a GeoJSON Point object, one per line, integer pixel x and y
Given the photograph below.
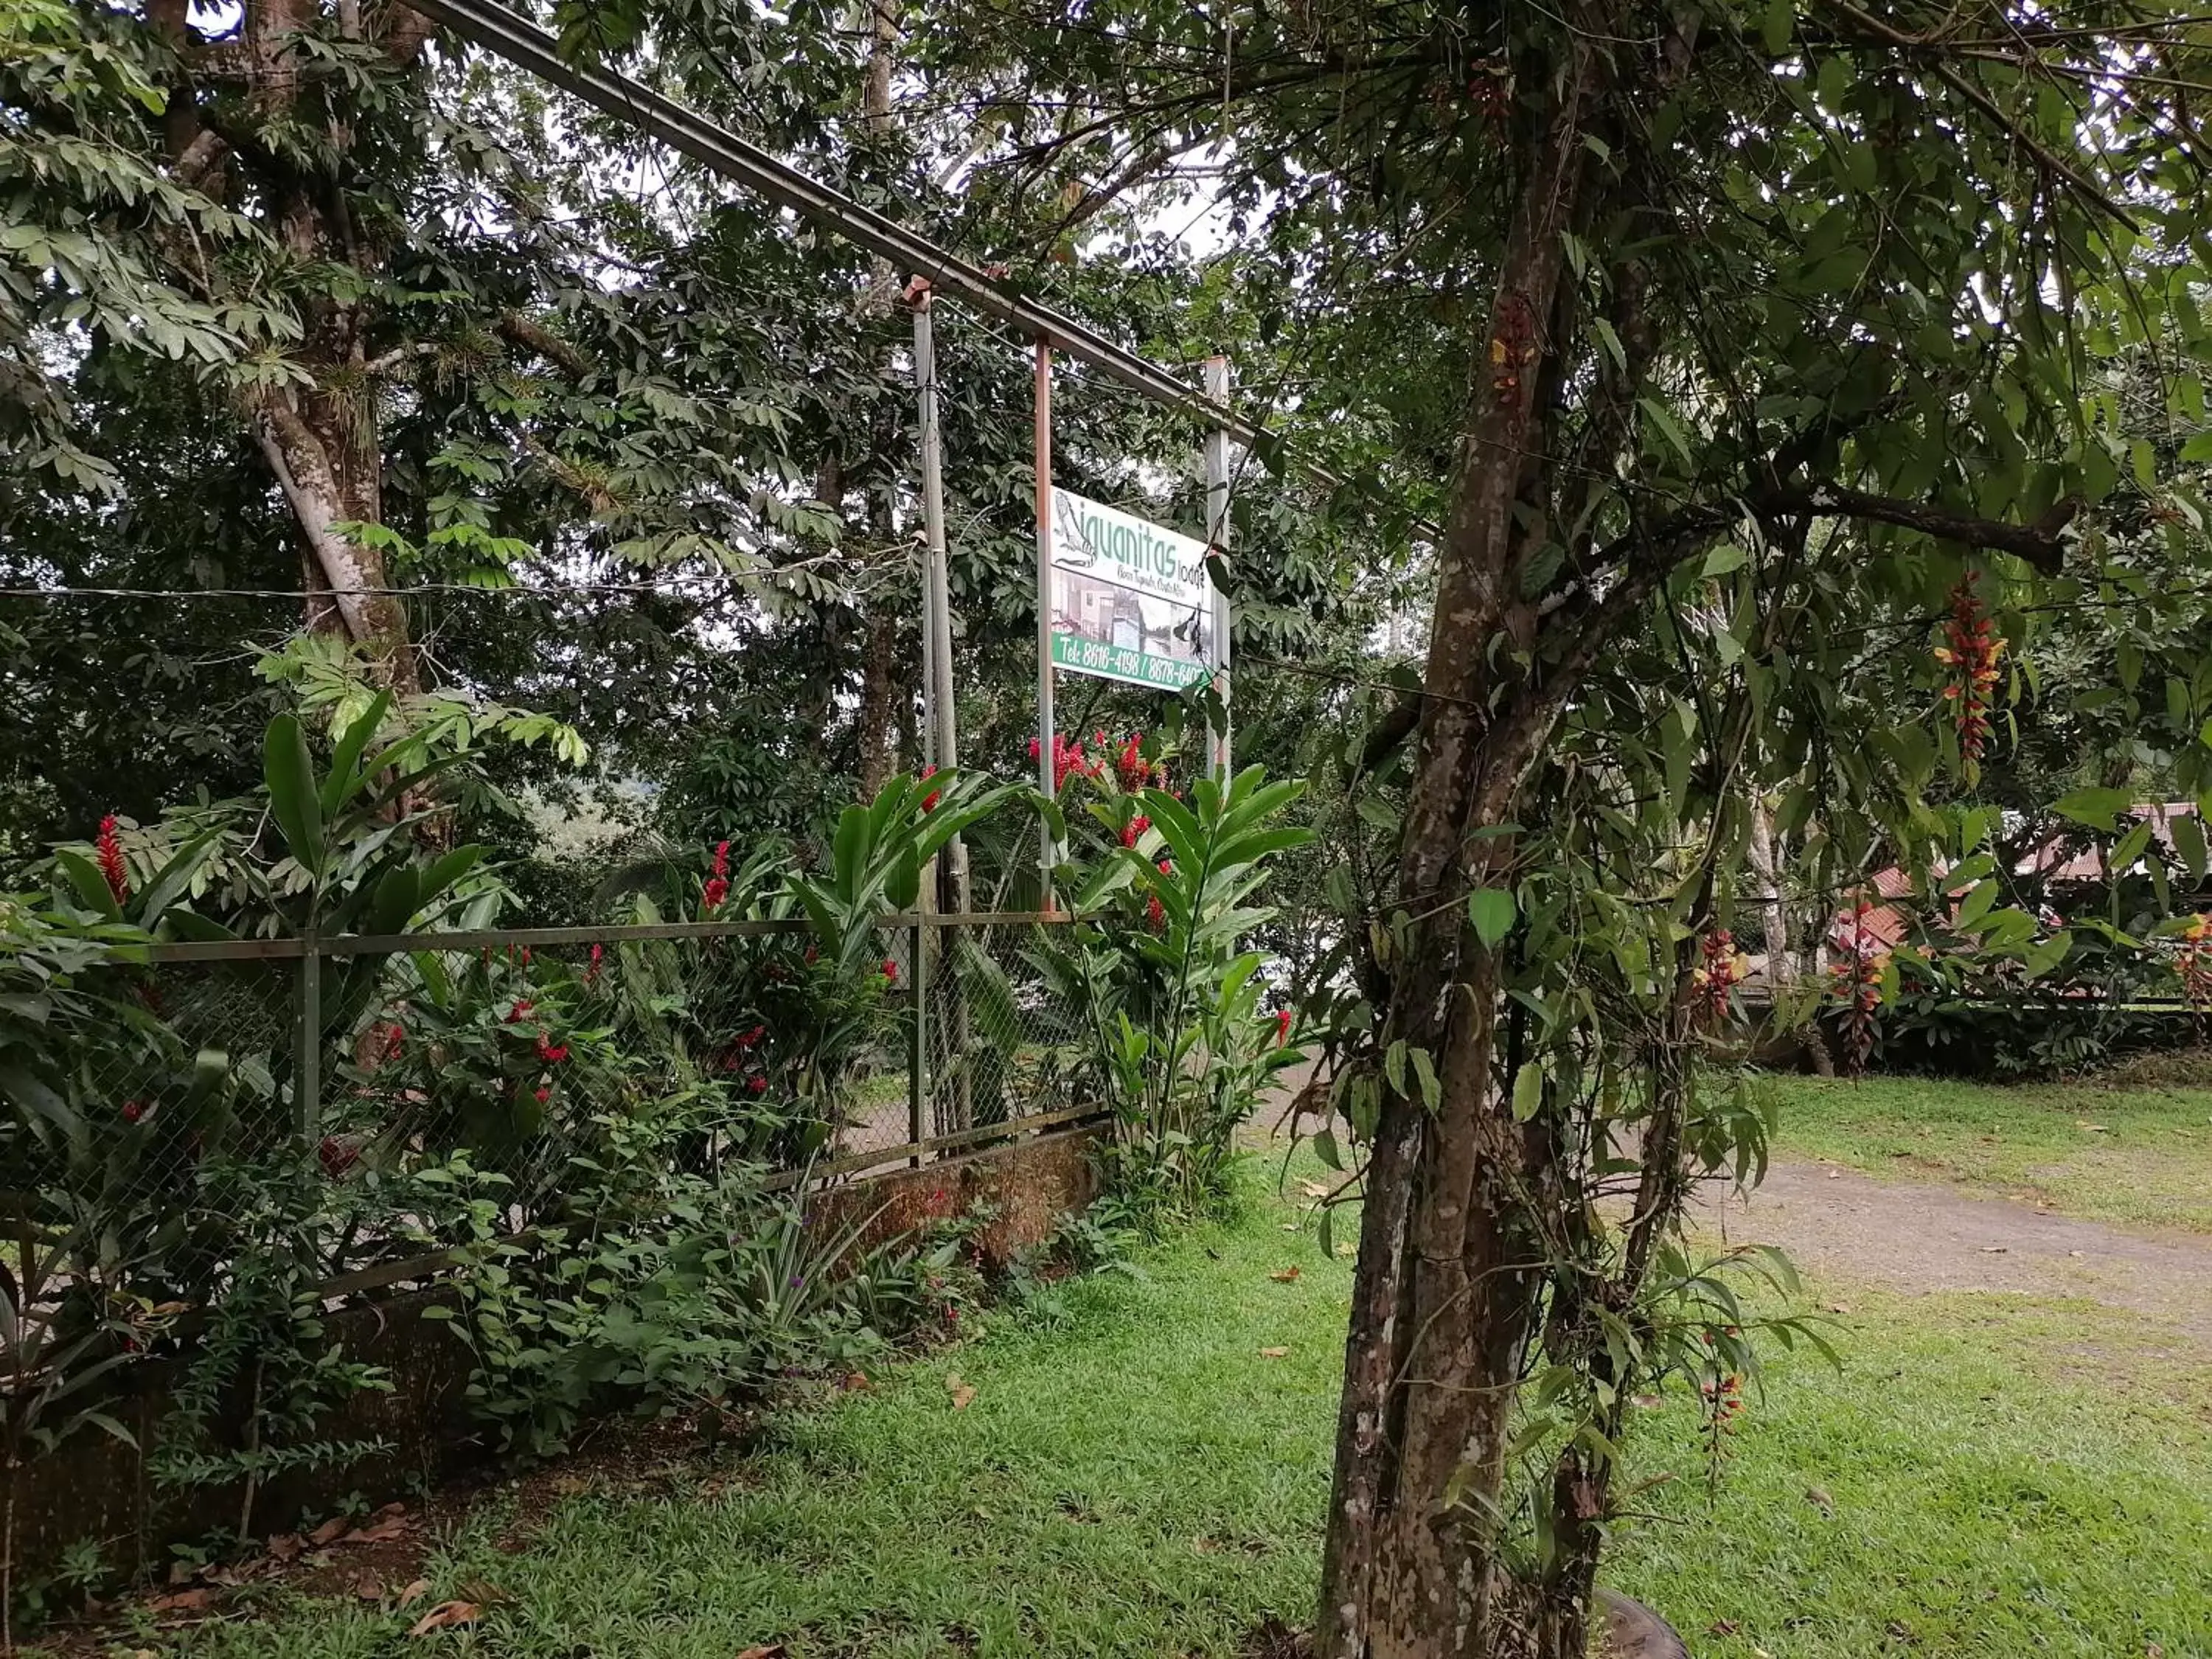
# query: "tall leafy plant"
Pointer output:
{"type": "Point", "coordinates": [1182, 1047]}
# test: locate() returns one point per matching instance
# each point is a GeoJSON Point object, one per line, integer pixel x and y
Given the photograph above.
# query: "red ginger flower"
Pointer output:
{"type": "Point", "coordinates": [111, 865]}
{"type": "Point", "coordinates": [550, 1052]}
{"type": "Point", "coordinates": [1135, 827]}
{"type": "Point", "coordinates": [1156, 915]}
{"type": "Point", "coordinates": [929, 800]}
{"type": "Point", "coordinates": [520, 1012]}
{"type": "Point", "coordinates": [721, 858]}
{"type": "Point", "coordinates": [1282, 1026]}
{"type": "Point", "coordinates": [890, 970]}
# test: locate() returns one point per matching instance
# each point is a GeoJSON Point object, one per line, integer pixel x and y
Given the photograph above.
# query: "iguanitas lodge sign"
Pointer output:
{"type": "Point", "coordinates": [1130, 601]}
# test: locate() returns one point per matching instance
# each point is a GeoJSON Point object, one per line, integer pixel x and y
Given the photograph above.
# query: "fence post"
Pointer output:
{"type": "Point", "coordinates": [917, 1102]}
{"type": "Point", "coordinates": [307, 1059]}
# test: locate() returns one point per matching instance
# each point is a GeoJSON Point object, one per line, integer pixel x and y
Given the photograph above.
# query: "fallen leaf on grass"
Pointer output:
{"type": "Point", "coordinates": [1347, 1249]}
{"type": "Point", "coordinates": [1996, 1249]}
{"type": "Point", "coordinates": [962, 1394]}
{"type": "Point", "coordinates": [1275, 1353]}
{"type": "Point", "coordinates": [1290, 1227]}
{"type": "Point", "coordinates": [2094, 1128]}
{"type": "Point", "coordinates": [190, 1600]}
{"type": "Point", "coordinates": [414, 1592]}
{"type": "Point", "coordinates": [2151, 1650]}
{"type": "Point", "coordinates": [445, 1616]}
{"type": "Point", "coordinates": [1820, 1499]}
{"type": "Point", "coordinates": [856, 1381]}
{"type": "Point", "coordinates": [1839, 1306]}
{"type": "Point", "coordinates": [1288, 1276]}
{"type": "Point", "coordinates": [764, 1651]}
{"type": "Point", "coordinates": [1723, 1627]}
{"type": "Point", "coordinates": [368, 1587]}
{"type": "Point", "coordinates": [1646, 1401]}
{"type": "Point", "coordinates": [1314, 1188]}
{"type": "Point", "coordinates": [330, 1531]}
{"type": "Point", "coordinates": [284, 1546]}
{"type": "Point", "coordinates": [378, 1532]}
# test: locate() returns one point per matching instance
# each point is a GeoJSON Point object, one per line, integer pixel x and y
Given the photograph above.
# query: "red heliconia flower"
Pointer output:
{"type": "Point", "coordinates": [1282, 1026]}
{"type": "Point", "coordinates": [929, 800]}
{"type": "Point", "coordinates": [1721, 969]}
{"type": "Point", "coordinates": [592, 973]}
{"type": "Point", "coordinates": [717, 889]}
{"type": "Point", "coordinates": [112, 864]}
{"type": "Point", "coordinates": [132, 1111]}
{"type": "Point", "coordinates": [1972, 652]}
{"type": "Point", "coordinates": [721, 858]}
{"type": "Point", "coordinates": [890, 970]}
{"type": "Point", "coordinates": [2194, 963]}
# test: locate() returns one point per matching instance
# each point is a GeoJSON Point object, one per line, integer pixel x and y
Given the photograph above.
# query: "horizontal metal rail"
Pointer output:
{"type": "Point", "coordinates": [500, 938]}
{"type": "Point", "coordinates": [497, 29]}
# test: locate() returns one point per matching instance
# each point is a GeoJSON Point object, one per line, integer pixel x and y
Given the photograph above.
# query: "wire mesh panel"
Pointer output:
{"type": "Point", "coordinates": [1004, 1042]}
{"type": "Point", "coordinates": [370, 1100]}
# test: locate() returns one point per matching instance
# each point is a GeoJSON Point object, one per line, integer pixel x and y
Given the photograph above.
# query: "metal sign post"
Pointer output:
{"type": "Point", "coordinates": [1049, 847]}
{"type": "Point", "coordinates": [941, 738]}
{"type": "Point", "coordinates": [1217, 539]}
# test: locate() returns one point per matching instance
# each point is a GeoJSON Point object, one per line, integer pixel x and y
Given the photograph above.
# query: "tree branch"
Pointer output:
{"type": "Point", "coordinates": [519, 331]}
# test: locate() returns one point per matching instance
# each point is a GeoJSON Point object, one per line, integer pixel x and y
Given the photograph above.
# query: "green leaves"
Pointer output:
{"type": "Point", "coordinates": [290, 774]}
{"type": "Point", "coordinates": [2098, 808]}
{"type": "Point", "coordinates": [1491, 911]}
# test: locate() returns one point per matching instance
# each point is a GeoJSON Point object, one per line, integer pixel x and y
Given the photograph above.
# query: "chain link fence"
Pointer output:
{"type": "Point", "coordinates": [231, 1069]}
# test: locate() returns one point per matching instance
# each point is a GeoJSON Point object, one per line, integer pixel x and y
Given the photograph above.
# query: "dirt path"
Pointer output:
{"type": "Point", "coordinates": [1830, 1218]}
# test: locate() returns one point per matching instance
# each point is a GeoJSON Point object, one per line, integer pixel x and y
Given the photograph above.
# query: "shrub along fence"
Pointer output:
{"type": "Point", "coordinates": [606, 1157]}
{"type": "Point", "coordinates": [367, 1054]}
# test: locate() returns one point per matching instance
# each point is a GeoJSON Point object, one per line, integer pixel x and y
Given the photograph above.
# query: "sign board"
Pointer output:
{"type": "Point", "coordinates": [1130, 601]}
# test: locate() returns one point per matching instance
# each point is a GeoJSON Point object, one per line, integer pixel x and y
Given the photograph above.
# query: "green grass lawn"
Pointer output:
{"type": "Point", "coordinates": [2136, 1155]}
{"type": "Point", "coordinates": [1135, 1476]}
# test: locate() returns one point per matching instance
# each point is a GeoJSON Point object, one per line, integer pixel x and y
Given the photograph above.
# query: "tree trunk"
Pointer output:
{"type": "Point", "coordinates": [1449, 1273]}
{"type": "Point", "coordinates": [1773, 914]}
{"type": "Point", "coordinates": [321, 440]}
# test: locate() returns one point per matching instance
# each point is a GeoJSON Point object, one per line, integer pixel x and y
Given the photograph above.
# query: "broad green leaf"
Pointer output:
{"type": "Point", "coordinates": [1528, 1092]}
{"type": "Point", "coordinates": [1325, 1149]}
{"type": "Point", "coordinates": [2099, 809]}
{"type": "Point", "coordinates": [1492, 910]}
{"type": "Point", "coordinates": [290, 774]}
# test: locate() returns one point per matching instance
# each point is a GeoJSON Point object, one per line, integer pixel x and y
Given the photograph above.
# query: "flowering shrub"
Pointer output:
{"type": "Point", "coordinates": [1178, 1043]}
